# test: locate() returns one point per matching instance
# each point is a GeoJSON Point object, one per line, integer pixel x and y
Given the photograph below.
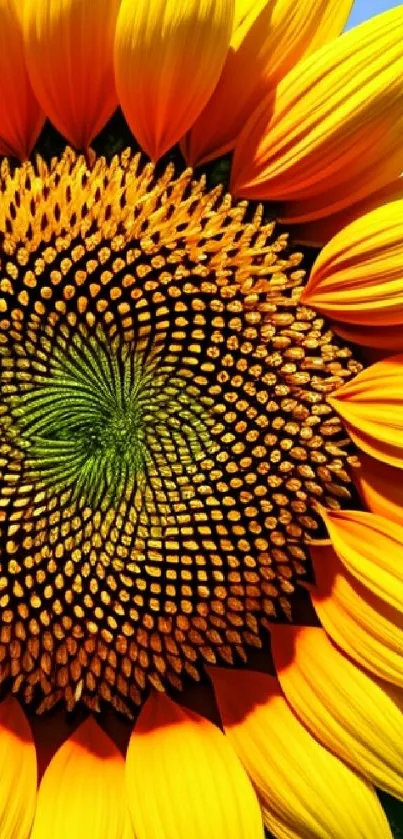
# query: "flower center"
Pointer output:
{"type": "Point", "coordinates": [165, 430]}
{"type": "Point", "coordinates": [81, 419]}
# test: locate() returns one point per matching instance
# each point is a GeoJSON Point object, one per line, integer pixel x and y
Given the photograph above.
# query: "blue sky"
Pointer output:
{"type": "Point", "coordinates": [364, 9]}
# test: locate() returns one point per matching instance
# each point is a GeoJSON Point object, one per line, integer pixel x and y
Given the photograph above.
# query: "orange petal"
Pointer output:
{"type": "Point", "coordinates": [361, 624]}
{"type": "Point", "coordinates": [69, 54]}
{"type": "Point", "coordinates": [21, 118]}
{"type": "Point", "coordinates": [371, 406]}
{"type": "Point", "coordinates": [184, 780]}
{"type": "Point", "coordinates": [266, 43]}
{"type": "Point", "coordinates": [352, 714]}
{"type": "Point", "coordinates": [387, 338]}
{"type": "Point", "coordinates": [333, 202]}
{"type": "Point", "coordinates": [381, 488]}
{"type": "Point", "coordinates": [371, 548]}
{"type": "Point", "coordinates": [358, 276]}
{"type": "Point", "coordinates": [305, 791]}
{"type": "Point", "coordinates": [82, 791]}
{"type": "Point", "coordinates": [18, 772]}
{"type": "Point", "coordinates": [334, 123]}
{"type": "Point", "coordinates": [168, 59]}
{"type": "Point", "coordinates": [319, 231]}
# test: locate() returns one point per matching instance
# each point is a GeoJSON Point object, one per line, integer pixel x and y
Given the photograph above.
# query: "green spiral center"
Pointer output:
{"type": "Point", "coordinates": [101, 416]}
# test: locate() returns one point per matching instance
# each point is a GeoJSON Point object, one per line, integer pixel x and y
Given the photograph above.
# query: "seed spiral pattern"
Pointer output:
{"type": "Point", "coordinates": [164, 429]}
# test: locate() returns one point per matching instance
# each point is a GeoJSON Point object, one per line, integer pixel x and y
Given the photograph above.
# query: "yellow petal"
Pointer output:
{"type": "Point", "coordinates": [18, 772]}
{"type": "Point", "coordinates": [244, 8]}
{"type": "Point", "coordinates": [21, 118]}
{"type": "Point", "coordinates": [127, 829]}
{"type": "Point", "coordinates": [334, 123]}
{"type": "Point", "coordinates": [371, 406]}
{"type": "Point", "coordinates": [361, 624]}
{"type": "Point", "coordinates": [184, 780]}
{"type": "Point", "coordinates": [69, 54]}
{"type": "Point", "coordinates": [168, 59]}
{"type": "Point", "coordinates": [371, 548]}
{"type": "Point", "coordinates": [381, 488]}
{"type": "Point", "coordinates": [305, 791]}
{"type": "Point", "coordinates": [316, 233]}
{"type": "Point", "coordinates": [358, 276]}
{"type": "Point", "coordinates": [266, 43]}
{"type": "Point", "coordinates": [351, 713]}
{"type": "Point", "coordinates": [82, 791]}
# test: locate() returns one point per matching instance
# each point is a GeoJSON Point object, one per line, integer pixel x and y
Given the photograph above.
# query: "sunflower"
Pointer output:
{"type": "Point", "coordinates": [201, 433]}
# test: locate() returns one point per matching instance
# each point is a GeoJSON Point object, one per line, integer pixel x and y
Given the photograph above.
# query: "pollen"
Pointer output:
{"type": "Point", "coordinates": [165, 429]}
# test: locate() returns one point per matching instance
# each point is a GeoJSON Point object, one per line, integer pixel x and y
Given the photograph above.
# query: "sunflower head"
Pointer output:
{"type": "Point", "coordinates": [200, 502]}
{"type": "Point", "coordinates": [165, 426]}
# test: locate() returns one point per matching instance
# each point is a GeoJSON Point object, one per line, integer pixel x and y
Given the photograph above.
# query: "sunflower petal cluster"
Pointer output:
{"type": "Point", "coordinates": [292, 720]}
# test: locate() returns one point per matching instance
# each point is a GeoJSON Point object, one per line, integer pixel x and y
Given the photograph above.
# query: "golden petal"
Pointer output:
{"type": "Point", "coordinates": [305, 791]}
{"type": "Point", "coordinates": [184, 780]}
{"type": "Point", "coordinates": [21, 118]}
{"type": "Point", "coordinates": [266, 43]}
{"type": "Point", "coordinates": [18, 772]}
{"type": "Point", "coordinates": [334, 123]}
{"type": "Point", "coordinates": [381, 487]}
{"type": "Point", "coordinates": [332, 203]}
{"type": "Point", "coordinates": [371, 406]}
{"type": "Point", "coordinates": [386, 338]}
{"type": "Point", "coordinates": [363, 625]}
{"type": "Point", "coordinates": [354, 715]}
{"type": "Point", "coordinates": [168, 59]}
{"type": "Point", "coordinates": [82, 791]}
{"type": "Point", "coordinates": [69, 55]}
{"type": "Point", "coordinates": [357, 278]}
{"type": "Point", "coordinates": [371, 548]}
{"type": "Point", "coordinates": [316, 233]}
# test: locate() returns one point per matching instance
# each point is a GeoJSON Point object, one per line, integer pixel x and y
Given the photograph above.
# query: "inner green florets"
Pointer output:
{"type": "Point", "coordinates": [99, 415]}
{"type": "Point", "coordinates": [80, 419]}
